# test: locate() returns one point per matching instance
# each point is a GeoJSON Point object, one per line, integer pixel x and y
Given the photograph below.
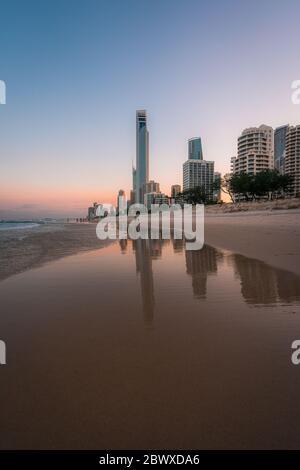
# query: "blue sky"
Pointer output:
{"type": "Point", "coordinates": [76, 71]}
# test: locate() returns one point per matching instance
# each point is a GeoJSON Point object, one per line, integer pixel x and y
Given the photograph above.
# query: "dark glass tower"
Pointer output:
{"type": "Point", "coordinates": [279, 147]}
{"type": "Point", "coordinates": [195, 149]}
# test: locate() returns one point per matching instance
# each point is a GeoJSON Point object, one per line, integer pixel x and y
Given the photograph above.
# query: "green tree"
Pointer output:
{"type": "Point", "coordinates": [193, 196]}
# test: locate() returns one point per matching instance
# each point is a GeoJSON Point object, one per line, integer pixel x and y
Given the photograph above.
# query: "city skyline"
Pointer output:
{"type": "Point", "coordinates": [67, 128]}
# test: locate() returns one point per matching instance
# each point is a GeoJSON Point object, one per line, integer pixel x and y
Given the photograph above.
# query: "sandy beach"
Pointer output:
{"type": "Point", "coordinates": [269, 236]}
{"type": "Point", "coordinates": [24, 249]}
{"type": "Point", "coordinates": [145, 345]}
{"type": "Point", "coordinates": [142, 344]}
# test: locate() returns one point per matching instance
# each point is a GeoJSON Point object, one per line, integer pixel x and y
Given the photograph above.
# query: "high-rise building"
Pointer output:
{"type": "Point", "coordinates": [279, 147]}
{"type": "Point", "coordinates": [292, 157]}
{"type": "Point", "coordinates": [199, 173]}
{"type": "Point", "coordinates": [94, 211]}
{"type": "Point", "coordinates": [121, 202]}
{"type": "Point", "coordinates": [255, 150]}
{"type": "Point", "coordinates": [195, 149]}
{"type": "Point", "coordinates": [151, 187]}
{"type": "Point", "coordinates": [142, 154]}
{"type": "Point", "coordinates": [175, 190]}
{"type": "Point", "coordinates": [155, 198]}
{"type": "Point", "coordinates": [196, 171]}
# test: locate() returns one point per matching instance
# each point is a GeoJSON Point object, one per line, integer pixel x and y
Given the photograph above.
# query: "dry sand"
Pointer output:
{"type": "Point", "coordinates": [272, 237]}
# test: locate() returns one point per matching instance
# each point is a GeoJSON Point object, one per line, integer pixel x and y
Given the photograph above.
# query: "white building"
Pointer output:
{"type": "Point", "coordinates": [151, 187]}
{"type": "Point", "coordinates": [155, 198]}
{"type": "Point", "coordinates": [199, 173]}
{"type": "Point", "coordinates": [255, 150]}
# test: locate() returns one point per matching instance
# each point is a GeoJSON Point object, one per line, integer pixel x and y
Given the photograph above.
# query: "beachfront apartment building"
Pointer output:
{"type": "Point", "coordinates": [199, 173]}
{"type": "Point", "coordinates": [196, 171]}
{"type": "Point", "coordinates": [151, 187]}
{"type": "Point", "coordinates": [255, 150]}
{"type": "Point", "coordinates": [292, 157]}
{"type": "Point", "coordinates": [155, 198]}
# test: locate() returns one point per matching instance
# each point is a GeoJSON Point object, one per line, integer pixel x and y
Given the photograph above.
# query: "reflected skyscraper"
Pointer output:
{"type": "Point", "coordinates": [178, 245]}
{"type": "Point", "coordinates": [199, 264]}
{"type": "Point", "coordinates": [288, 286]}
{"type": "Point", "coordinates": [142, 155]}
{"type": "Point", "coordinates": [144, 269]}
{"type": "Point", "coordinates": [262, 284]}
{"type": "Point", "coordinates": [123, 245]}
{"type": "Point", "coordinates": [258, 280]}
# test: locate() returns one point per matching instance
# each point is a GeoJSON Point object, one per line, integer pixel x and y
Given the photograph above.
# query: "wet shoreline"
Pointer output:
{"type": "Point", "coordinates": [144, 345]}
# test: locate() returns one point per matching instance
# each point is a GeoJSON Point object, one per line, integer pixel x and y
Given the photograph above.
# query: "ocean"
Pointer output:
{"type": "Point", "coordinates": [17, 224]}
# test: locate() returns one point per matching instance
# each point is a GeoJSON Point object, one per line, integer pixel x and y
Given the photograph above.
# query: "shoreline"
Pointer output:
{"type": "Point", "coordinates": [21, 250]}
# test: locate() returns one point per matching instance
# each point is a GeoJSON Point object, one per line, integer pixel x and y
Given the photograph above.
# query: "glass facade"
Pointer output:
{"type": "Point", "coordinates": [279, 147]}
{"type": "Point", "coordinates": [142, 154]}
{"type": "Point", "coordinates": [195, 149]}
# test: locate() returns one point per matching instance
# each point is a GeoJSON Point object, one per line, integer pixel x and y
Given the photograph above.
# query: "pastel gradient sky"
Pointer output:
{"type": "Point", "coordinates": [76, 71]}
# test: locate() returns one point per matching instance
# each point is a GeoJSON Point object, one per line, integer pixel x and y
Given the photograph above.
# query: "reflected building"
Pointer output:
{"type": "Point", "coordinates": [200, 264]}
{"type": "Point", "coordinates": [155, 247]}
{"type": "Point", "coordinates": [178, 244]}
{"type": "Point", "coordinates": [288, 286]}
{"type": "Point", "coordinates": [260, 284]}
{"type": "Point", "coordinates": [263, 284]}
{"type": "Point", "coordinates": [143, 261]}
{"type": "Point", "coordinates": [123, 245]}
{"type": "Point", "coordinates": [258, 280]}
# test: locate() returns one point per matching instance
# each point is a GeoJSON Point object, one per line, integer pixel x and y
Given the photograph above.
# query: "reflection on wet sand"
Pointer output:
{"type": "Point", "coordinates": [145, 337]}
{"type": "Point", "coordinates": [143, 260]}
{"type": "Point", "coordinates": [260, 283]}
{"type": "Point", "coordinates": [200, 264]}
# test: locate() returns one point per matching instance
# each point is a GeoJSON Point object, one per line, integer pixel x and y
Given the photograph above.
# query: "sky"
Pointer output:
{"type": "Point", "coordinates": [77, 71]}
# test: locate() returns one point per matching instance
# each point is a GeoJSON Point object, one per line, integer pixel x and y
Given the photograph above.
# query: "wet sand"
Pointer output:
{"type": "Point", "coordinates": [144, 345]}
{"type": "Point", "coordinates": [270, 236]}
{"type": "Point", "coordinates": [24, 249]}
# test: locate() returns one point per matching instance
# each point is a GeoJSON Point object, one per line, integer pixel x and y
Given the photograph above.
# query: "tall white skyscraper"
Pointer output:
{"type": "Point", "coordinates": [255, 150]}
{"type": "Point", "coordinates": [142, 154]}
